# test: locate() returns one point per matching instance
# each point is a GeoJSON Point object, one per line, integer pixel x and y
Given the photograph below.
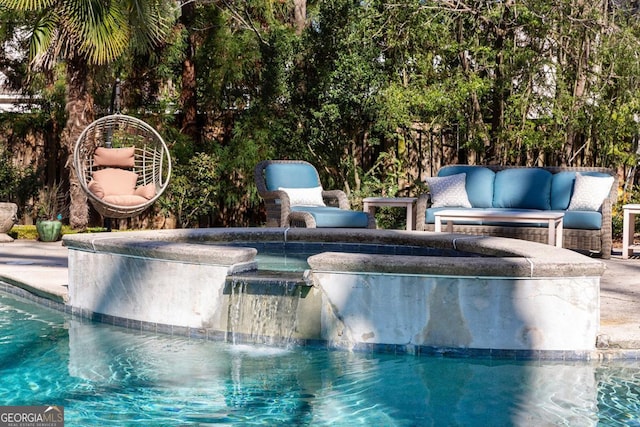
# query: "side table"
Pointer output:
{"type": "Point", "coordinates": [370, 204]}
{"type": "Point", "coordinates": [628, 229]}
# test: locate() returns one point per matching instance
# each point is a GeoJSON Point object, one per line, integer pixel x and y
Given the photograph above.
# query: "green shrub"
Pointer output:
{"type": "Point", "coordinates": [28, 232]}
{"type": "Point", "coordinates": [193, 190]}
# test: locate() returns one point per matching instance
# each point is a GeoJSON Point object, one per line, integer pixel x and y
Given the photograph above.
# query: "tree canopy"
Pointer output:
{"type": "Point", "coordinates": [377, 94]}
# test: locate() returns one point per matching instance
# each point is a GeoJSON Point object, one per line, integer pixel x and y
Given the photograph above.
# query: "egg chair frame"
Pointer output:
{"type": "Point", "coordinates": [152, 162]}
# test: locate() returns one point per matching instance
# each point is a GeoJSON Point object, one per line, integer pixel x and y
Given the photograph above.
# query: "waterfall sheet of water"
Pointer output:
{"type": "Point", "coordinates": [263, 307]}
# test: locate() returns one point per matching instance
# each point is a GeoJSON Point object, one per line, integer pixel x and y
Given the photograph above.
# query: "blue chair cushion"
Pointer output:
{"type": "Point", "coordinates": [522, 188]}
{"type": "Point", "coordinates": [332, 217]}
{"type": "Point", "coordinates": [479, 183]}
{"type": "Point", "coordinates": [290, 175]}
{"type": "Point", "coordinates": [562, 187]}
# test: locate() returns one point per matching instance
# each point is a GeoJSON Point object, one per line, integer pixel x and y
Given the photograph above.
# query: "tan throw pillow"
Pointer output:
{"type": "Point", "coordinates": [96, 188]}
{"type": "Point", "coordinates": [147, 191]}
{"type": "Point", "coordinates": [116, 182]}
{"type": "Point", "coordinates": [114, 157]}
{"type": "Point", "coordinates": [125, 200]}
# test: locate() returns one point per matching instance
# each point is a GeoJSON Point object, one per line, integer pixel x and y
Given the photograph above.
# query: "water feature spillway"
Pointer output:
{"type": "Point", "coordinates": [467, 294]}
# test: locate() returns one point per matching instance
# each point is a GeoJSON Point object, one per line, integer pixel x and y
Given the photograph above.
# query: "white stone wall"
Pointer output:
{"type": "Point", "coordinates": [460, 312]}
{"type": "Point", "coordinates": [150, 290]}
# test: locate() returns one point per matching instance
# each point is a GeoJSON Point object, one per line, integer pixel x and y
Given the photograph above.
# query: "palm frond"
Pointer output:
{"type": "Point", "coordinates": [44, 37]}
{"type": "Point", "coordinates": [99, 31]}
{"type": "Point", "coordinates": [150, 22]}
{"type": "Point", "coordinates": [27, 5]}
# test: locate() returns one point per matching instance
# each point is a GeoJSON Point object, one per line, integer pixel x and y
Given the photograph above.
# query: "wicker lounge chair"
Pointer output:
{"type": "Point", "coordinates": [293, 197]}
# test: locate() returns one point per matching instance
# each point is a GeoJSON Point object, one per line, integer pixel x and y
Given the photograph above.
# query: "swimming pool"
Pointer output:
{"type": "Point", "coordinates": [108, 376]}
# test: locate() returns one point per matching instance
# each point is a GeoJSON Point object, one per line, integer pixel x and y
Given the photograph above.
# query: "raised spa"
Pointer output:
{"type": "Point", "coordinates": [386, 290]}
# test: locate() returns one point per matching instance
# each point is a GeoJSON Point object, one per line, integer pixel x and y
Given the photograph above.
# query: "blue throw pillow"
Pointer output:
{"type": "Point", "coordinates": [522, 188]}
{"type": "Point", "coordinates": [479, 183]}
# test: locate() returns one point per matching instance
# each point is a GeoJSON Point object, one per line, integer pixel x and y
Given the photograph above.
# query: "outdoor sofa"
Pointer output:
{"type": "Point", "coordinates": [585, 195]}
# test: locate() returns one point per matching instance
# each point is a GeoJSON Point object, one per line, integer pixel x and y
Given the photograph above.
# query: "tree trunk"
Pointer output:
{"type": "Point", "coordinates": [501, 92]}
{"type": "Point", "coordinates": [79, 110]}
{"type": "Point", "coordinates": [581, 70]}
{"type": "Point", "coordinates": [188, 94]}
{"type": "Point", "coordinates": [579, 91]}
{"type": "Point", "coordinates": [299, 15]}
{"type": "Point", "coordinates": [478, 127]}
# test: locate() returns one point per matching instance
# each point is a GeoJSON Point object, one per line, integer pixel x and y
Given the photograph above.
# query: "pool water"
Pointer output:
{"type": "Point", "coordinates": [292, 256]}
{"type": "Point", "coordinates": [283, 262]}
{"type": "Point", "coordinates": [108, 376]}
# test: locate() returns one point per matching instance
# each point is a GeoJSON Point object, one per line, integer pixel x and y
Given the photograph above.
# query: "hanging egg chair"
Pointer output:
{"type": "Point", "coordinates": [123, 165]}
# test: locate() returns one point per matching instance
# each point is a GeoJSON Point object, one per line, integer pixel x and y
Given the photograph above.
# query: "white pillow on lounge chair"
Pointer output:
{"type": "Point", "coordinates": [304, 196]}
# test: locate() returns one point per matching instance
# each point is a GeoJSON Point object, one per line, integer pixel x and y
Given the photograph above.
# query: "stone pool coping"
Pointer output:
{"type": "Point", "coordinates": [499, 257]}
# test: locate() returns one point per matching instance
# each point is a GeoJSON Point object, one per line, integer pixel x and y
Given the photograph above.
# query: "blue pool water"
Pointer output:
{"type": "Point", "coordinates": [292, 256]}
{"type": "Point", "coordinates": [107, 376]}
{"type": "Point", "coordinates": [288, 262]}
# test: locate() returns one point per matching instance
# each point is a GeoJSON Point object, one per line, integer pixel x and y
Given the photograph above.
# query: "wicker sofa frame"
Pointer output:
{"type": "Point", "coordinates": [591, 241]}
{"type": "Point", "coordinates": [278, 206]}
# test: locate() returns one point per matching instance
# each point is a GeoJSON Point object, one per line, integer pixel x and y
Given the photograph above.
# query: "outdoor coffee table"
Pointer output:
{"type": "Point", "coordinates": [370, 204]}
{"type": "Point", "coordinates": [553, 219]}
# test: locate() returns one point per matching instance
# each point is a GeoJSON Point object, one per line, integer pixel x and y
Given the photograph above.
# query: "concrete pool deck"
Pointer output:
{"type": "Point", "coordinates": [41, 268]}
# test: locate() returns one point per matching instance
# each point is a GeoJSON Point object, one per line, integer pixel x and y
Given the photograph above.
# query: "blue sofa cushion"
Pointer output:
{"type": "Point", "coordinates": [290, 175]}
{"type": "Point", "coordinates": [562, 187]}
{"type": "Point", "coordinates": [522, 188]}
{"type": "Point", "coordinates": [479, 183]}
{"type": "Point", "coordinates": [583, 220]}
{"type": "Point", "coordinates": [333, 217]}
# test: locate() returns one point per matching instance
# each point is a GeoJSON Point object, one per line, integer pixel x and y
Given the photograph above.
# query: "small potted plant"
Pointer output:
{"type": "Point", "coordinates": [49, 206]}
